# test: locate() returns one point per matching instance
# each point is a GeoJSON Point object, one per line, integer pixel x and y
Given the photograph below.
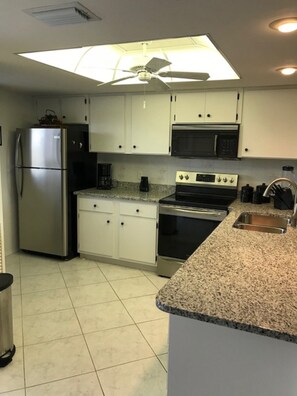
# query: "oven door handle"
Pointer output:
{"type": "Point", "coordinates": [192, 212]}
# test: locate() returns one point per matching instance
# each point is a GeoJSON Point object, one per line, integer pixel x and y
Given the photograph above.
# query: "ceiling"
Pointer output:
{"type": "Point", "coordinates": [238, 28]}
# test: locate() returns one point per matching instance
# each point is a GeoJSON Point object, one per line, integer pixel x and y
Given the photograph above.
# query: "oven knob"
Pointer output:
{"type": "Point", "coordinates": [225, 180]}
{"type": "Point", "coordinates": [181, 177]}
{"type": "Point", "coordinates": [187, 177]}
{"type": "Point", "coordinates": [219, 179]}
{"type": "Point", "coordinates": [231, 180]}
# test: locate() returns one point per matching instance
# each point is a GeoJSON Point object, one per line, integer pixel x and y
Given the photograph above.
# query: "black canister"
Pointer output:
{"type": "Point", "coordinates": [246, 194]}
{"type": "Point", "coordinates": [260, 189]}
{"type": "Point", "coordinates": [257, 197]}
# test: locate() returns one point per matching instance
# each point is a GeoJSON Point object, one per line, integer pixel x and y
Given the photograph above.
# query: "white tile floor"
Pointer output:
{"type": "Point", "coordinates": [85, 328]}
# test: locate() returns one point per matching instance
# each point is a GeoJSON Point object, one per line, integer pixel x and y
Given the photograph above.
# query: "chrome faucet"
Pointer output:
{"type": "Point", "coordinates": [293, 219]}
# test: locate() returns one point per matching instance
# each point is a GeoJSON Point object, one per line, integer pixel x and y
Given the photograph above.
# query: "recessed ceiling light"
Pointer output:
{"type": "Point", "coordinates": [284, 25]}
{"type": "Point", "coordinates": [287, 71]}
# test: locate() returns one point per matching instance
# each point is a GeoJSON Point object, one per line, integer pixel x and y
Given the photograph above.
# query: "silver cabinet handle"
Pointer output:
{"type": "Point", "coordinates": [18, 166]}
{"type": "Point", "coordinates": [215, 144]}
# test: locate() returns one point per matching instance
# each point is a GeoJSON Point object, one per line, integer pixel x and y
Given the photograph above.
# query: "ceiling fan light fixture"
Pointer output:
{"type": "Point", "coordinates": [144, 75]}
{"type": "Point", "coordinates": [287, 71]}
{"type": "Point", "coordinates": [284, 25]}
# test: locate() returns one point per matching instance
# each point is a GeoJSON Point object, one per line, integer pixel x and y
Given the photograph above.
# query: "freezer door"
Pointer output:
{"type": "Point", "coordinates": [41, 148]}
{"type": "Point", "coordinates": [43, 211]}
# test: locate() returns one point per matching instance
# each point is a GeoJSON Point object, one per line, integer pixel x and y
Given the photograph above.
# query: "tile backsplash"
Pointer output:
{"type": "Point", "coordinates": [161, 169]}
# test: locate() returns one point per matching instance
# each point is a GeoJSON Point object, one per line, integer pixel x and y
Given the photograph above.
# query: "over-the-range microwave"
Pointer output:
{"type": "Point", "coordinates": [205, 140]}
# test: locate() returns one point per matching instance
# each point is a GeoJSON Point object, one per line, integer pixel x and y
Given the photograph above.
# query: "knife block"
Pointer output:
{"type": "Point", "coordinates": [284, 200]}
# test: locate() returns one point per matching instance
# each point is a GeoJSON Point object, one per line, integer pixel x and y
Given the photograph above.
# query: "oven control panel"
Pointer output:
{"type": "Point", "coordinates": [207, 179]}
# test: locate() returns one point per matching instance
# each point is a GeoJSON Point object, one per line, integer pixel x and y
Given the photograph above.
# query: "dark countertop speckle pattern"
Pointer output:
{"type": "Point", "coordinates": [130, 191]}
{"type": "Point", "coordinates": [241, 279]}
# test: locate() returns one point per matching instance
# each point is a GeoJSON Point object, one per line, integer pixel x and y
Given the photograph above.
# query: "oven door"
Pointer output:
{"type": "Point", "coordinates": [181, 231]}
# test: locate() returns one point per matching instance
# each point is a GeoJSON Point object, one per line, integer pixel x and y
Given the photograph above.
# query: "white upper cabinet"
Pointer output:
{"type": "Point", "coordinates": [269, 124]}
{"type": "Point", "coordinates": [107, 124]}
{"type": "Point", "coordinates": [70, 109]}
{"type": "Point", "coordinates": [208, 107]}
{"type": "Point", "coordinates": [150, 124]}
{"type": "Point", "coordinates": [131, 124]}
{"type": "Point", "coordinates": [74, 110]}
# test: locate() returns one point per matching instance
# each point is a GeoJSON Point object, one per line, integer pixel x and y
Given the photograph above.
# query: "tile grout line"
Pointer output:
{"type": "Point", "coordinates": [80, 326]}
{"type": "Point", "coordinates": [85, 341]}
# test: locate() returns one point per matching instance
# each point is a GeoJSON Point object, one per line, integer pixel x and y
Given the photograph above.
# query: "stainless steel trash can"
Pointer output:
{"type": "Point", "coordinates": [7, 348]}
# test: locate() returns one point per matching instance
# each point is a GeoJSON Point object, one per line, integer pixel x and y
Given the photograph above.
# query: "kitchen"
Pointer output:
{"type": "Point", "coordinates": [128, 167]}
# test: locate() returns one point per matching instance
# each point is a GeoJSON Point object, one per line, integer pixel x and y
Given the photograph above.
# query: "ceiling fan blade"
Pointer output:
{"type": "Point", "coordinates": [155, 64]}
{"type": "Point", "coordinates": [188, 75]}
{"type": "Point", "coordinates": [114, 81]}
{"type": "Point", "coordinates": [155, 82]}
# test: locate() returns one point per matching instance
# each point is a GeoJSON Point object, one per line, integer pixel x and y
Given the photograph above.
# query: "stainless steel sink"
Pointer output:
{"type": "Point", "coordinates": [263, 223]}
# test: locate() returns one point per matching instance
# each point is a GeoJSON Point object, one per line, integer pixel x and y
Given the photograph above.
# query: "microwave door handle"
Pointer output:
{"type": "Point", "coordinates": [215, 144]}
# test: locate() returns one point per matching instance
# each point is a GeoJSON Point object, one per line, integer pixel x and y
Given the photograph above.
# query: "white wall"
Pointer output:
{"type": "Point", "coordinates": [16, 111]}
{"type": "Point", "coordinates": [161, 169]}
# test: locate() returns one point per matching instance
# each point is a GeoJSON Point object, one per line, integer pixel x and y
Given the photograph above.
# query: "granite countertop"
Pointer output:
{"type": "Point", "coordinates": [241, 279]}
{"type": "Point", "coordinates": [130, 191]}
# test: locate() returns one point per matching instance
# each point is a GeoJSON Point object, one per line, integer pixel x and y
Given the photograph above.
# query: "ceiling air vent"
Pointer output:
{"type": "Point", "coordinates": [62, 14]}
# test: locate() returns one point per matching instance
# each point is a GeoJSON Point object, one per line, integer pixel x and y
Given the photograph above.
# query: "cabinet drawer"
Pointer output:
{"type": "Point", "coordinates": [96, 205]}
{"type": "Point", "coordinates": [138, 209]}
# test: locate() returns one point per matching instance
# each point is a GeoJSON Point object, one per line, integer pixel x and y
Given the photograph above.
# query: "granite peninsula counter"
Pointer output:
{"type": "Point", "coordinates": [241, 279]}
{"type": "Point", "coordinates": [236, 280]}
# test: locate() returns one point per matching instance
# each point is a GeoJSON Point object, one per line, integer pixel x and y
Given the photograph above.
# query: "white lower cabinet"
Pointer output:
{"type": "Point", "coordinates": [137, 232]}
{"type": "Point", "coordinates": [121, 230]}
{"type": "Point", "coordinates": [96, 226]}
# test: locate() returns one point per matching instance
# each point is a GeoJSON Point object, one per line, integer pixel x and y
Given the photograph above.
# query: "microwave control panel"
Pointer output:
{"type": "Point", "coordinates": [207, 179]}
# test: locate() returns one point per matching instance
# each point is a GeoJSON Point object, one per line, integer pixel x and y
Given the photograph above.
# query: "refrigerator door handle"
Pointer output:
{"type": "Point", "coordinates": [18, 166]}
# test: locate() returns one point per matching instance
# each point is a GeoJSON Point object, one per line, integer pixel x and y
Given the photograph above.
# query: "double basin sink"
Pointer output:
{"type": "Point", "coordinates": [263, 223]}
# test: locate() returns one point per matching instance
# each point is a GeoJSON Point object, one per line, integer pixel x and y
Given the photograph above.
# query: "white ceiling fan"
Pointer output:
{"type": "Point", "coordinates": [150, 72]}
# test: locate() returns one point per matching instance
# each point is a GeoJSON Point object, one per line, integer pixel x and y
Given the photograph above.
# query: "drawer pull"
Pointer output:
{"type": "Point", "coordinates": [137, 210]}
{"type": "Point", "coordinates": [95, 206]}
{"type": "Point", "coordinates": [108, 221]}
{"type": "Point", "coordinates": [122, 223]}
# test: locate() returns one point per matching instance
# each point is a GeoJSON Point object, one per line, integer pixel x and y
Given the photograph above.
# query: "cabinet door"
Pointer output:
{"type": "Point", "coordinates": [137, 239]}
{"type": "Point", "coordinates": [150, 124]}
{"type": "Point", "coordinates": [189, 107]}
{"type": "Point", "coordinates": [74, 109]}
{"type": "Point", "coordinates": [107, 124]}
{"type": "Point", "coordinates": [269, 122]}
{"type": "Point", "coordinates": [44, 104]}
{"type": "Point", "coordinates": [95, 233]}
{"type": "Point", "coordinates": [221, 106]}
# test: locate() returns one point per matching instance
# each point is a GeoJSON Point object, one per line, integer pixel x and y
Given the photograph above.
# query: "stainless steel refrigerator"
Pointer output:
{"type": "Point", "coordinates": [51, 163]}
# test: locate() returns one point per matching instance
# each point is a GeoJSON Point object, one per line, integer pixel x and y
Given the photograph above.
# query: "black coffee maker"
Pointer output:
{"type": "Point", "coordinates": [104, 180]}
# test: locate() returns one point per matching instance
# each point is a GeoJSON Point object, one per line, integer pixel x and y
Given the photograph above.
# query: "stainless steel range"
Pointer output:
{"type": "Point", "coordinates": [188, 217]}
